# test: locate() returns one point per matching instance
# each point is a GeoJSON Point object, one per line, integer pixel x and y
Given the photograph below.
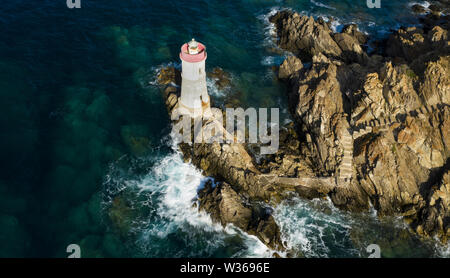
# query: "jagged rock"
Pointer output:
{"type": "Point", "coordinates": [352, 30]}
{"type": "Point", "coordinates": [419, 9]}
{"type": "Point", "coordinates": [318, 105]}
{"type": "Point", "coordinates": [226, 206]}
{"type": "Point", "coordinates": [269, 232]}
{"type": "Point", "coordinates": [398, 88]}
{"type": "Point", "coordinates": [302, 35]}
{"type": "Point", "coordinates": [438, 37]}
{"type": "Point", "coordinates": [424, 138]}
{"type": "Point", "coordinates": [306, 37]}
{"type": "Point", "coordinates": [229, 203]}
{"type": "Point", "coordinates": [408, 43]}
{"type": "Point", "coordinates": [436, 81]}
{"type": "Point", "coordinates": [168, 75]}
{"type": "Point", "coordinates": [290, 66]}
{"type": "Point", "coordinates": [435, 218]}
{"type": "Point", "coordinates": [373, 130]}
{"type": "Point", "coordinates": [292, 158]}
{"type": "Point", "coordinates": [397, 109]}
{"type": "Point", "coordinates": [351, 48]}
{"type": "Point", "coordinates": [232, 209]}
{"type": "Point", "coordinates": [435, 8]}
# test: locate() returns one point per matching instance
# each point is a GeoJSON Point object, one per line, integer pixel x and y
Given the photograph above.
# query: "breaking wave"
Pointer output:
{"type": "Point", "coordinates": [174, 227]}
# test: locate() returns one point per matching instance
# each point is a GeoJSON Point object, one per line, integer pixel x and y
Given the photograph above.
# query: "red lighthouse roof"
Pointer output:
{"type": "Point", "coordinates": [193, 58]}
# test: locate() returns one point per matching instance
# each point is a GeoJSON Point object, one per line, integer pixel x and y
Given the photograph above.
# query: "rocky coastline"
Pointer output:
{"type": "Point", "coordinates": [370, 129]}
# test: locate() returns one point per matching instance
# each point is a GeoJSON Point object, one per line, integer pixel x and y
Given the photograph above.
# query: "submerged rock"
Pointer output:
{"type": "Point", "coordinates": [121, 215]}
{"type": "Point", "coordinates": [136, 139]}
{"type": "Point", "coordinates": [168, 75]}
{"type": "Point", "coordinates": [13, 238]}
{"type": "Point", "coordinates": [221, 78]}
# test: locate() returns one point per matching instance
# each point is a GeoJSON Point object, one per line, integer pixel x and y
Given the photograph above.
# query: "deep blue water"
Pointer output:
{"type": "Point", "coordinates": [85, 146]}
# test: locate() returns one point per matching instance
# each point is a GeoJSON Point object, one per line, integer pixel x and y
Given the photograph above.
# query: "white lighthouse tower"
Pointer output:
{"type": "Point", "coordinates": [194, 99]}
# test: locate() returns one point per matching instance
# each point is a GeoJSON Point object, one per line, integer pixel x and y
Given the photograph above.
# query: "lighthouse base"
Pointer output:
{"type": "Point", "coordinates": [204, 111]}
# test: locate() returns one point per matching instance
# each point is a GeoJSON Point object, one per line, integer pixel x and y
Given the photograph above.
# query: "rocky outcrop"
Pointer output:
{"type": "Point", "coordinates": [369, 130]}
{"type": "Point", "coordinates": [419, 9]}
{"type": "Point", "coordinates": [242, 192]}
{"type": "Point", "coordinates": [377, 124]}
{"type": "Point", "coordinates": [290, 66]}
{"type": "Point", "coordinates": [221, 78]}
{"type": "Point", "coordinates": [247, 186]}
{"type": "Point", "coordinates": [407, 43]}
{"type": "Point", "coordinates": [433, 218]}
{"type": "Point", "coordinates": [226, 206]}
{"type": "Point", "coordinates": [303, 36]}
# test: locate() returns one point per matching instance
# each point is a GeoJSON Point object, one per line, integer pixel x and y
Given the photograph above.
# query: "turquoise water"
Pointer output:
{"type": "Point", "coordinates": [85, 137]}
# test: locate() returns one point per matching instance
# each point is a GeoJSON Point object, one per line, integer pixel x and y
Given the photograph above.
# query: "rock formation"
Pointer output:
{"type": "Point", "coordinates": [369, 130]}
{"type": "Point", "coordinates": [379, 124]}
{"type": "Point", "coordinates": [247, 189]}
{"type": "Point", "coordinates": [238, 199]}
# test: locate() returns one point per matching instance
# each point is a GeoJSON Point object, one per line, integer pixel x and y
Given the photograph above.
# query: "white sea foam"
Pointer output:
{"type": "Point", "coordinates": [268, 61]}
{"type": "Point", "coordinates": [151, 78]}
{"type": "Point", "coordinates": [270, 31]}
{"type": "Point", "coordinates": [312, 228]}
{"type": "Point", "coordinates": [270, 39]}
{"type": "Point", "coordinates": [424, 4]}
{"type": "Point", "coordinates": [269, 27]}
{"type": "Point", "coordinates": [179, 182]}
{"type": "Point", "coordinates": [443, 250]}
{"type": "Point", "coordinates": [319, 4]}
{"type": "Point", "coordinates": [272, 60]}
{"type": "Point", "coordinates": [305, 226]}
{"type": "Point", "coordinates": [175, 184]}
{"type": "Point", "coordinates": [336, 24]}
{"type": "Point", "coordinates": [213, 90]}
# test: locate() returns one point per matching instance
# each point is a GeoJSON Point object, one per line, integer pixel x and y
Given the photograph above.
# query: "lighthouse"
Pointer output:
{"type": "Point", "coordinates": [194, 100]}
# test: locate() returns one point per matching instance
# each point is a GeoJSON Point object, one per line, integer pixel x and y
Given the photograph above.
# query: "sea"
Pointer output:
{"type": "Point", "coordinates": [86, 146]}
